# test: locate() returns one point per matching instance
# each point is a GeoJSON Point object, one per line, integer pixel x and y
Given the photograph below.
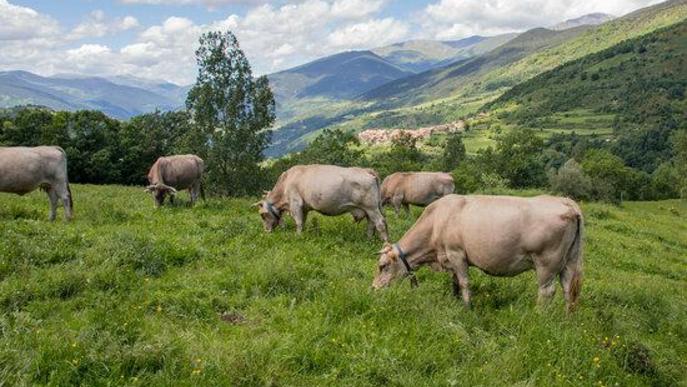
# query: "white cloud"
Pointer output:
{"type": "Point", "coordinates": [376, 32]}
{"type": "Point", "coordinates": [274, 37]}
{"type": "Point", "coordinates": [356, 8]}
{"type": "Point", "coordinates": [207, 3]}
{"type": "Point", "coordinates": [22, 23]}
{"type": "Point", "coordinates": [448, 19]}
{"type": "Point", "coordinates": [96, 25]}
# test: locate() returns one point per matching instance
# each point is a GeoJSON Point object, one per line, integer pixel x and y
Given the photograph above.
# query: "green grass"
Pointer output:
{"type": "Point", "coordinates": [127, 294]}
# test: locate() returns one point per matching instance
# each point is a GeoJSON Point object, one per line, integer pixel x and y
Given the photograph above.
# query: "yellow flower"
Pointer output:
{"type": "Point", "coordinates": [159, 308]}
{"type": "Point", "coordinates": [596, 359]}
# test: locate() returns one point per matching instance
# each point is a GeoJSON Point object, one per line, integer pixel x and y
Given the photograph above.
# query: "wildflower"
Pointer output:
{"type": "Point", "coordinates": [159, 308]}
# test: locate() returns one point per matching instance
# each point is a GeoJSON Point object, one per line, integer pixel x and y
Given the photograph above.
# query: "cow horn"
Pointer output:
{"type": "Point", "coordinates": [256, 204]}
{"type": "Point", "coordinates": [150, 188]}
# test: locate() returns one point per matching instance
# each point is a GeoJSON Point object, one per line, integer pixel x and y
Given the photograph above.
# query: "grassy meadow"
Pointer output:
{"type": "Point", "coordinates": [130, 294]}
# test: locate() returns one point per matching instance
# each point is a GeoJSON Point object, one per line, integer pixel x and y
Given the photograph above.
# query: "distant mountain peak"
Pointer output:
{"type": "Point", "coordinates": [591, 19]}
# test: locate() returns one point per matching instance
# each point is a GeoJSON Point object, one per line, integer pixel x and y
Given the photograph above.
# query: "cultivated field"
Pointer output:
{"type": "Point", "coordinates": [127, 294]}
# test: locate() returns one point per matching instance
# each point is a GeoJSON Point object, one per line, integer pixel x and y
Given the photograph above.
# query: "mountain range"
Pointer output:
{"type": "Point", "coordinates": [410, 83]}
{"type": "Point", "coordinates": [118, 97]}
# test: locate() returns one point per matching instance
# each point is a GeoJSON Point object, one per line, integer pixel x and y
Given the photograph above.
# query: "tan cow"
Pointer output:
{"type": "Point", "coordinates": [22, 170]}
{"type": "Point", "coordinates": [327, 189]}
{"type": "Point", "coordinates": [501, 235]}
{"type": "Point", "coordinates": [417, 188]}
{"type": "Point", "coordinates": [172, 173]}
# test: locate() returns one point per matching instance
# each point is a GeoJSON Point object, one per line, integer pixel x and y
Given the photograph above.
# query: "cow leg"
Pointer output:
{"type": "Point", "coordinates": [64, 193]}
{"type": "Point", "coordinates": [406, 207]}
{"type": "Point", "coordinates": [195, 192]}
{"type": "Point", "coordinates": [192, 195]}
{"type": "Point", "coordinates": [370, 228]}
{"type": "Point", "coordinates": [456, 261]}
{"type": "Point", "coordinates": [547, 284]}
{"type": "Point", "coordinates": [52, 196]}
{"type": "Point", "coordinates": [396, 203]}
{"type": "Point", "coordinates": [298, 214]}
{"type": "Point", "coordinates": [376, 217]}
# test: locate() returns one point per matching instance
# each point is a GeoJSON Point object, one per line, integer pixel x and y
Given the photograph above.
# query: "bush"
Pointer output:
{"type": "Point", "coordinates": [518, 157]}
{"type": "Point", "coordinates": [665, 182]}
{"type": "Point", "coordinates": [570, 180]}
{"type": "Point", "coordinates": [612, 180]}
{"type": "Point", "coordinates": [454, 152]}
{"type": "Point", "coordinates": [334, 147]}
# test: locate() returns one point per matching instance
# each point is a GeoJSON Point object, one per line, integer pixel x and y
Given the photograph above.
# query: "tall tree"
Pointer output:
{"type": "Point", "coordinates": [454, 152]}
{"type": "Point", "coordinates": [232, 112]}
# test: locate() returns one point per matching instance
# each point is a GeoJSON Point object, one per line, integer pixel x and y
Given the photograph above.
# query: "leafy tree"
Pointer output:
{"type": "Point", "coordinates": [403, 155]}
{"type": "Point", "coordinates": [519, 158]}
{"type": "Point", "coordinates": [92, 147]}
{"type": "Point", "coordinates": [454, 152]}
{"type": "Point", "coordinates": [334, 147]}
{"type": "Point", "coordinates": [28, 128]}
{"type": "Point", "coordinates": [146, 137]}
{"type": "Point", "coordinates": [231, 111]}
{"type": "Point", "coordinates": [611, 179]}
{"type": "Point", "coordinates": [570, 180]}
{"type": "Point", "coordinates": [665, 182]}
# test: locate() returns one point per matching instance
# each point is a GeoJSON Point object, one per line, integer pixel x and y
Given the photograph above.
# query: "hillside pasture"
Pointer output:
{"type": "Point", "coordinates": [130, 294]}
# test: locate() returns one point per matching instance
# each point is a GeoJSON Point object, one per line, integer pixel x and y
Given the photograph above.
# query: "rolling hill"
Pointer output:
{"type": "Point", "coordinates": [422, 55]}
{"type": "Point", "coordinates": [338, 76]}
{"type": "Point", "coordinates": [118, 98]}
{"type": "Point", "coordinates": [443, 81]}
{"type": "Point", "coordinates": [591, 19]}
{"type": "Point", "coordinates": [461, 89]}
{"type": "Point", "coordinates": [640, 83]}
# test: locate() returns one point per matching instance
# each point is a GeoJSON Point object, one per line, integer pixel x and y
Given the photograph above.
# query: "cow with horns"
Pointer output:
{"type": "Point", "coordinates": [170, 174]}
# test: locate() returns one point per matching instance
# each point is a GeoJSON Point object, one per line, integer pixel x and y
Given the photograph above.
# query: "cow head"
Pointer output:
{"type": "Point", "coordinates": [389, 267]}
{"type": "Point", "coordinates": [160, 191]}
{"type": "Point", "coordinates": [271, 216]}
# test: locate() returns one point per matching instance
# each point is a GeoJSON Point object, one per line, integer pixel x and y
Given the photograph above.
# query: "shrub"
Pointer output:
{"type": "Point", "coordinates": [570, 180]}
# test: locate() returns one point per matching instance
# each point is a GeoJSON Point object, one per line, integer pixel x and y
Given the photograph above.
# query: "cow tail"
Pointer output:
{"type": "Point", "coordinates": [71, 202]}
{"type": "Point", "coordinates": [574, 262]}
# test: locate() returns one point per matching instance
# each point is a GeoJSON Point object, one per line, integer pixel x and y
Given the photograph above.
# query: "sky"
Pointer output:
{"type": "Point", "coordinates": [156, 39]}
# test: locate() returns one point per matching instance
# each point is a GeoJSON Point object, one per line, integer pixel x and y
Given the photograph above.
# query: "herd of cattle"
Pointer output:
{"type": "Point", "coordinates": [501, 235]}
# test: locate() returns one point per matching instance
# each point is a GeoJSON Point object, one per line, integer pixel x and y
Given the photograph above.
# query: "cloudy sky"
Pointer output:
{"type": "Point", "coordinates": [156, 39]}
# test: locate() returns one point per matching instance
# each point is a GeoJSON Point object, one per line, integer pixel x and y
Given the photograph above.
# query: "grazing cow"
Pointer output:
{"type": "Point", "coordinates": [327, 189]}
{"type": "Point", "coordinates": [172, 173]}
{"type": "Point", "coordinates": [22, 170]}
{"type": "Point", "coordinates": [417, 188]}
{"type": "Point", "coordinates": [501, 235]}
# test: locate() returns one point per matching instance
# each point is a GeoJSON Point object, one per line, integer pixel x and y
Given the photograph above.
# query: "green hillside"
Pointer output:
{"type": "Point", "coordinates": [444, 81]}
{"type": "Point", "coordinates": [443, 95]}
{"type": "Point", "coordinates": [130, 295]}
{"type": "Point", "coordinates": [635, 24]}
{"type": "Point", "coordinates": [422, 55]}
{"type": "Point", "coordinates": [639, 85]}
